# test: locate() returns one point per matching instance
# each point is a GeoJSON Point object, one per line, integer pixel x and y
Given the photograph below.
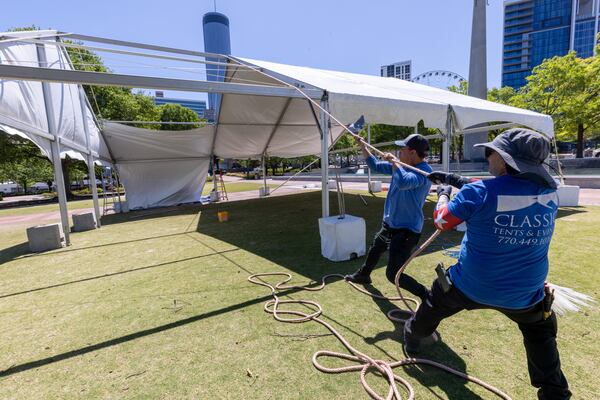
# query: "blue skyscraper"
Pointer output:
{"type": "Point", "coordinates": [538, 29]}
{"type": "Point", "coordinates": [216, 40]}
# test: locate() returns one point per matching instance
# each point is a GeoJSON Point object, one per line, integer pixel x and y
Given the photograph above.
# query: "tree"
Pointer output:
{"type": "Point", "coordinates": [503, 95]}
{"type": "Point", "coordinates": [26, 172]}
{"type": "Point", "coordinates": [566, 88]}
{"type": "Point", "coordinates": [177, 113]}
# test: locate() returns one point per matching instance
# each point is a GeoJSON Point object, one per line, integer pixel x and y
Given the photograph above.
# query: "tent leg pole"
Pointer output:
{"type": "Point", "coordinates": [55, 147]}
{"type": "Point", "coordinates": [215, 183]}
{"type": "Point", "coordinates": [60, 190]}
{"type": "Point", "coordinates": [368, 169]}
{"type": "Point", "coordinates": [446, 144]}
{"type": "Point", "coordinates": [324, 158]}
{"type": "Point", "coordinates": [90, 158]}
{"type": "Point", "coordinates": [92, 180]}
{"type": "Point", "coordinates": [264, 171]}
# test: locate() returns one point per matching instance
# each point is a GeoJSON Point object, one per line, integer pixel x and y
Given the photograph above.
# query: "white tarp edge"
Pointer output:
{"type": "Point", "coordinates": [159, 184]}
{"type": "Point", "coordinates": [22, 104]}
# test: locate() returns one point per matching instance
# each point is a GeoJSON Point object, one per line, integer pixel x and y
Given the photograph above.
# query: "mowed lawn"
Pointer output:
{"type": "Point", "coordinates": [156, 305]}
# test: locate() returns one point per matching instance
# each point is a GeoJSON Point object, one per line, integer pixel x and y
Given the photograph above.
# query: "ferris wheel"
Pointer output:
{"type": "Point", "coordinates": [439, 79]}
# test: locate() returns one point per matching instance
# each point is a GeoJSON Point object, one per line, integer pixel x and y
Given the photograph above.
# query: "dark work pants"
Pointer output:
{"type": "Point", "coordinates": [539, 336]}
{"type": "Point", "coordinates": [401, 243]}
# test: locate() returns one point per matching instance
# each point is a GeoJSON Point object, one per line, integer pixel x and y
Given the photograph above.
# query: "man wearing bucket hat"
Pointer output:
{"type": "Point", "coordinates": [503, 262]}
{"type": "Point", "coordinates": [402, 213]}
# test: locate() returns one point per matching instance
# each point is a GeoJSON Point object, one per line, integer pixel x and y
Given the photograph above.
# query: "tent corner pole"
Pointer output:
{"type": "Point", "coordinates": [368, 168]}
{"type": "Point", "coordinates": [324, 117]}
{"type": "Point", "coordinates": [446, 144]}
{"type": "Point", "coordinates": [90, 158]}
{"type": "Point", "coordinates": [55, 146]}
{"type": "Point", "coordinates": [264, 170]}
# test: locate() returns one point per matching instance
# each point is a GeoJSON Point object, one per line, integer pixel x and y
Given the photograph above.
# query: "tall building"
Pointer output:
{"type": "Point", "coordinates": [197, 106]}
{"type": "Point", "coordinates": [216, 40]}
{"type": "Point", "coordinates": [538, 29]}
{"type": "Point", "coordinates": [400, 70]}
{"type": "Point", "coordinates": [477, 77]}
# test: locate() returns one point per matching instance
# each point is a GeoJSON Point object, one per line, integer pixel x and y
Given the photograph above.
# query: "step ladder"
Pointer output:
{"type": "Point", "coordinates": [221, 190]}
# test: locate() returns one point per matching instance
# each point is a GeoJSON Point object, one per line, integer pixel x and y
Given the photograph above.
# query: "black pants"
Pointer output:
{"type": "Point", "coordinates": [401, 243]}
{"type": "Point", "coordinates": [539, 336]}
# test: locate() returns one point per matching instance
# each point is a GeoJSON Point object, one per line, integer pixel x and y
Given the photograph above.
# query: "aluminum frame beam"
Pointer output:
{"type": "Point", "coordinates": [147, 82]}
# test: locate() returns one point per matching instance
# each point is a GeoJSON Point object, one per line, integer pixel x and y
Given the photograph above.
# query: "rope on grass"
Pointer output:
{"type": "Point", "coordinates": [361, 361]}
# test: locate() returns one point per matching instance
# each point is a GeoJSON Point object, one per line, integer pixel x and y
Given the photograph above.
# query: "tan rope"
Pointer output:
{"type": "Point", "coordinates": [361, 362]}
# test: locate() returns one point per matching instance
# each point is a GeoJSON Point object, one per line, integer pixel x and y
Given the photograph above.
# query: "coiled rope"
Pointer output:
{"type": "Point", "coordinates": [362, 362]}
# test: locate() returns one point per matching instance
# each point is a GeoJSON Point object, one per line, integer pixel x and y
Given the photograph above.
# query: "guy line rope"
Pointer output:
{"type": "Point", "coordinates": [364, 362]}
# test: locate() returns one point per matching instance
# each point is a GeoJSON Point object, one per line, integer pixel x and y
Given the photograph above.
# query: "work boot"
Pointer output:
{"type": "Point", "coordinates": [359, 276]}
{"type": "Point", "coordinates": [412, 344]}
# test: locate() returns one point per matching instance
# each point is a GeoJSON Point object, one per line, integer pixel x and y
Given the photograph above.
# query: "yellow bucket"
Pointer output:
{"type": "Point", "coordinates": [223, 216]}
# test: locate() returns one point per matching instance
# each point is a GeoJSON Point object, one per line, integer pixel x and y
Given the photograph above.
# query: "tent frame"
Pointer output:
{"type": "Point", "coordinates": [289, 89]}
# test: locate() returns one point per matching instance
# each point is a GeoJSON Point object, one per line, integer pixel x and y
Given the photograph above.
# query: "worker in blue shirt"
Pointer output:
{"type": "Point", "coordinates": [503, 261]}
{"type": "Point", "coordinates": [402, 212]}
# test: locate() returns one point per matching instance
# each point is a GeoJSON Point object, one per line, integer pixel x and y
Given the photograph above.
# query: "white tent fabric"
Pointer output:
{"type": "Point", "coordinates": [22, 105]}
{"type": "Point", "coordinates": [397, 102]}
{"type": "Point", "coordinates": [163, 183]}
{"type": "Point", "coordinates": [160, 168]}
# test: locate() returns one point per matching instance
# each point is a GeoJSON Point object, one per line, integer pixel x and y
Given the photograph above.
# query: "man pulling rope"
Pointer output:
{"type": "Point", "coordinates": [402, 214]}
{"type": "Point", "coordinates": [503, 263]}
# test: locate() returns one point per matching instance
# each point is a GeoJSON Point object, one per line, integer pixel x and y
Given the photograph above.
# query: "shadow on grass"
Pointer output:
{"type": "Point", "coordinates": [114, 274]}
{"type": "Point", "coordinates": [14, 369]}
{"type": "Point", "coordinates": [10, 253]}
{"type": "Point", "coordinates": [22, 249]}
{"type": "Point", "coordinates": [453, 386]}
{"type": "Point", "coordinates": [285, 230]}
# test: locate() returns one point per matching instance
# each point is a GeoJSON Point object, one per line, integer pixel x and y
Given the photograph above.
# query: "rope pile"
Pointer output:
{"type": "Point", "coordinates": [362, 362]}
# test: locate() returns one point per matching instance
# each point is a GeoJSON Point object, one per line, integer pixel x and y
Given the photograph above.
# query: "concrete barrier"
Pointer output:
{"type": "Point", "coordinates": [375, 186]}
{"type": "Point", "coordinates": [45, 237]}
{"type": "Point", "coordinates": [84, 222]}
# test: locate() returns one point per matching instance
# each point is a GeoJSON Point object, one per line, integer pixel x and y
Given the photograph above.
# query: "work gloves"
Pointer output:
{"type": "Point", "coordinates": [444, 190]}
{"type": "Point", "coordinates": [440, 177]}
{"type": "Point", "coordinates": [357, 126]}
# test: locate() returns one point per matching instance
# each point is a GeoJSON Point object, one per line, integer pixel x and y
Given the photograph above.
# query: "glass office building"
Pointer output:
{"type": "Point", "coordinates": [538, 29]}
{"type": "Point", "coordinates": [197, 106]}
{"type": "Point", "coordinates": [400, 70]}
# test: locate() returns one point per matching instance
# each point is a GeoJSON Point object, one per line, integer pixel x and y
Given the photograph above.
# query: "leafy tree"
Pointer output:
{"type": "Point", "coordinates": [566, 88]}
{"type": "Point", "coordinates": [462, 88]}
{"type": "Point", "coordinates": [177, 113]}
{"type": "Point", "coordinates": [26, 174]}
{"type": "Point", "coordinates": [503, 95]}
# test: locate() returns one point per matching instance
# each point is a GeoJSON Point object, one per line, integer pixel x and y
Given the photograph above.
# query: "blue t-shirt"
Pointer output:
{"type": "Point", "coordinates": [503, 258]}
{"type": "Point", "coordinates": [406, 195]}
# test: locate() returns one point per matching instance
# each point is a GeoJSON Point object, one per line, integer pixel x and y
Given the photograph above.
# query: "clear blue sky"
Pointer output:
{"type": "Point", "coordinates": [347, 35]}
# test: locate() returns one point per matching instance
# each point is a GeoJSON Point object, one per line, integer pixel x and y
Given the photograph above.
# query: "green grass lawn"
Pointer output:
{"type": "Point", "coordinates": [44, 208]}
{"type": "Point", "coordinates": [157, 305]}
{"type": "Point", "coordinates": [233, 187]}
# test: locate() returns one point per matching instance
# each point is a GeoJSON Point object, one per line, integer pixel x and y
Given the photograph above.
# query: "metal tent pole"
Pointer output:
{"type": "Point", "coordinates": [324, 118]}
{"type": "Point", "coordinates": [90, 158]}
{"type": "Point", "coordinates": [55, 146]}
{"type": "Point", "coordinates": [264, 171]}
{"type": "Point", "coordinates": [368, 169]}
{"type": "Point", "coordinates": [446, 145]}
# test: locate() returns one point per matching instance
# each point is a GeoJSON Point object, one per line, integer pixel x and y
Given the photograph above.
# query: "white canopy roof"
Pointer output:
{"type": "Point", "coordinates": [394, 101]}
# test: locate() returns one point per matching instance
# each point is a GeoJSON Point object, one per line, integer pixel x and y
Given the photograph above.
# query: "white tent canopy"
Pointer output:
{"type": "Point", "coordinates": [265, 110]}
{"type": "Point", "coordinates": [397, 102]}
